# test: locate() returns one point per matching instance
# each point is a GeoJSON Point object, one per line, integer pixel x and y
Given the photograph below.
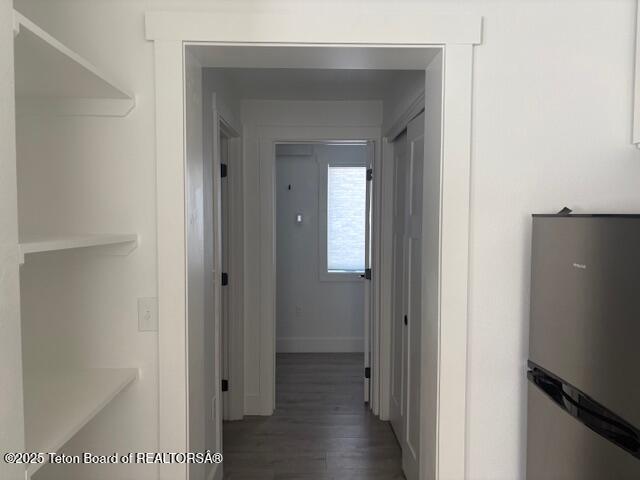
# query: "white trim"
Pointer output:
{"type": "Point", "coordinates": [385, 276]}
{"type": "Point", "coordinates": [267, 138]}
{"type": "Point", "coordinates": [376, 360]}
{"type": "Point", "coordinates": [235, 395]}
{"type": "Point", "coordinates": [319, 344]}
{"type": "Point", "coordinates": [172, 282]}
{"type": "Point", "coordinates": [285, 28]}
{"type": "Point", "coordinates": [232, 28]}
{"type": "Point", "coordinates": [216, 229]}
{"type": "Point", "coordinates": [454, 260]}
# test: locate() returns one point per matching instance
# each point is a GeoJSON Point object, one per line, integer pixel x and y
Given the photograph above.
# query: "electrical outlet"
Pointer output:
{"type": "Point", "coordinates": [148, 314]}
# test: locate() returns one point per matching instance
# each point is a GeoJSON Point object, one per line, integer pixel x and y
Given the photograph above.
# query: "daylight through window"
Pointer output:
{"type": "Point", "coordinates": [346, 211]}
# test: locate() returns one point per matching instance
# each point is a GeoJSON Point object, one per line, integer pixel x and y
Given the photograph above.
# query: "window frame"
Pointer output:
{"type": "Point", "coordinates": [323, 221]}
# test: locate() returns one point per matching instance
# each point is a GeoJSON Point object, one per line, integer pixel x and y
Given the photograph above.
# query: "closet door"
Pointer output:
{"type": "Point", "coordinates": [398, 330]}
{"type": "Point", "coordinates": [413, 266]}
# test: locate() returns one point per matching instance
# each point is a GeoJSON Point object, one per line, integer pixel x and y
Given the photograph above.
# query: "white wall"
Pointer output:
{"type": "Point", "coordinates": [312, 315]}
{"type": "Point", "coordinates": [552, 126]}
{"type": "Point", "coordinates": [11, 411]}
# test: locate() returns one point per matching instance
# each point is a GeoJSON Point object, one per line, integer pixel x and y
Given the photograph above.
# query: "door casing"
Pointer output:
{"type": "Point", "coordinates": [232, 328]}
{"type": "Point", "coordinates": [455, 36]}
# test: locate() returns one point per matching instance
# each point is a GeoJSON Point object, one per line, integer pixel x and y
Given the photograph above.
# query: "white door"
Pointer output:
{"type": "Point", "coordinates": [215, 430]}
{"type": "Point", "coordinates": [398, 330]}
{"type": "Point", "coordinates": [224, 293]}
{"type": "Point", "coordinates": [368, 284]}
{"type": "Point", "coordinates": [413, 266]}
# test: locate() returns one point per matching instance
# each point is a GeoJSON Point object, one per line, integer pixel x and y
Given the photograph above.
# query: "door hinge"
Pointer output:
{"type": "Point", "coordinates": [367, 372]}
{"type": "Point", "coordinates": [369, 174]}
{"type": "Point", "coordinates": [367, 273]}
{"type": "Point", "coordinates": [225, 279]}
{"type": "Point", "coordinates": [223, 170]}
{"type": "Point", "coordinates": [225, 385]}
{"type": "Point", "coordinates": [406, 320]}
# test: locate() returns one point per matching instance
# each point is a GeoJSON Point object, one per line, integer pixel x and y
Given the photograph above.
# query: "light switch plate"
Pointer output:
{"type": "Point", "coordinates": [148, 314]}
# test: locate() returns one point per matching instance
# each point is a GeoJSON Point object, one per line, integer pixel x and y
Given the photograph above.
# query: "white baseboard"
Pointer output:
{"type": "Point", "coordinates": [319, 344]}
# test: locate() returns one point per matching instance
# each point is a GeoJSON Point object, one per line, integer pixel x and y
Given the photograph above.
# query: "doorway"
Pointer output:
{"type": "Point", "coordinates": [322, 423]}
{"type": "Point", "coordinates": [323, 200]}
{"type": "Point", "coordinates": [452, 232]}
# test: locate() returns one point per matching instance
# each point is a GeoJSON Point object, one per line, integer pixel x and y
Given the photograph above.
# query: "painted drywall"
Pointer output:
{"type": "Point", "coordinates": [552, 126]}
{"type": "Point", "coordinates": [11, 410]}
{"type": "Point", "coordinates": [312, 315]}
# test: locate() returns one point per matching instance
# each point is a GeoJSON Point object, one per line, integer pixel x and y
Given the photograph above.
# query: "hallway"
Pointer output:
{"type": "Point", "coordinates": [321, 429]}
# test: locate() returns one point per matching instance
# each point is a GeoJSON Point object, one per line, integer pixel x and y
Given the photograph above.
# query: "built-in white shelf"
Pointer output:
{"type": "Point", "coordinates": [52, 77]}
{"type": "Point", "coordinates": [57, 404]}
{"type": "Point", "coordinates": [115, 244]}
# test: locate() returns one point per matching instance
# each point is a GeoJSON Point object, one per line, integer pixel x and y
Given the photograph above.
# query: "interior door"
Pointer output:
{"type": "Point", "coordinates": [398, 331]}
{"type": "Point", "coordinates": [413, 268]}
{"type": "Point", "coordinates": [217, 284]}
{"type": "Point", "coordinates": [224, 292]}
{"type": "Point", "coordinates": [368, 284]}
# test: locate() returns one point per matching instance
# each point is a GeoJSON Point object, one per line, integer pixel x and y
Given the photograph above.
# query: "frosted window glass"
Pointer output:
{"type": "Point", "coordinates": [346, 211]}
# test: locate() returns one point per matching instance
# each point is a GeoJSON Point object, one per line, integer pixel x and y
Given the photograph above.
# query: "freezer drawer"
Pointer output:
{"type": "Point", "coordinates": [560, 447]}
{"type": "Point", "coordinates": [585, 306]}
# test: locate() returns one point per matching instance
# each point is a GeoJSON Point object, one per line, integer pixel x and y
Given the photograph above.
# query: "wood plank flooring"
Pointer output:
{"type": "Point", "coordinates": [321, 429]}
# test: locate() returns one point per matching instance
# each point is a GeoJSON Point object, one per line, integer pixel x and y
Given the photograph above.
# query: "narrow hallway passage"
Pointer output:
{"type": "Point", "coordinates": [321, 429]}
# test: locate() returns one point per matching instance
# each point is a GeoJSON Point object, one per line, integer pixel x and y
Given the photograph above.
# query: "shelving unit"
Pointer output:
{"type": "Point", "coordinates": [59, 403]}
{"type": "Point", "coordinates": [52, 77]}
{"type": "Point", "coordinates": [59, 400]}
{"type": "Point", "coordinates": [120, 244]}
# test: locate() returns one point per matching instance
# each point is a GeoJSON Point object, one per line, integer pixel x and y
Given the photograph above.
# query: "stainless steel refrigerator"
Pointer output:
{"type": "Point", "coordinates": [584, 348]}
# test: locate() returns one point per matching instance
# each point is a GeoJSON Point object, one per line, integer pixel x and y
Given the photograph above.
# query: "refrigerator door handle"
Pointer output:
{"type": "Point", "coordinates": [586, 410]}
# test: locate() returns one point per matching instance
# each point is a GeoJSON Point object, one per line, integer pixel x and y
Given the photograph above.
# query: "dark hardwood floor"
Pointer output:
{"type": "Point", "coordinates": [321, 428]}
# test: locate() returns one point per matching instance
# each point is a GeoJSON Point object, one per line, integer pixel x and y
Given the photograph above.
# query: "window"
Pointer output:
{"type": "Point", "coordinates": [346, 210]}
{"type": "Point", "coordinates": [343, 210]}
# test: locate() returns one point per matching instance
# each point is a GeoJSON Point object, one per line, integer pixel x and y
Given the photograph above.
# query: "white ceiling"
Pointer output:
{"type": "Point", "coordinates": [315, 84]}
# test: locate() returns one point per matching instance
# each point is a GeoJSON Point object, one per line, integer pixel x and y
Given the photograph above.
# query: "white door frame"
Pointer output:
{"type": "Point", "coordinates": [233, 399]}
{"type": "Point", "coordinates": [456, 35]}
{"type": "Point", "coordinates": [268, 137]}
